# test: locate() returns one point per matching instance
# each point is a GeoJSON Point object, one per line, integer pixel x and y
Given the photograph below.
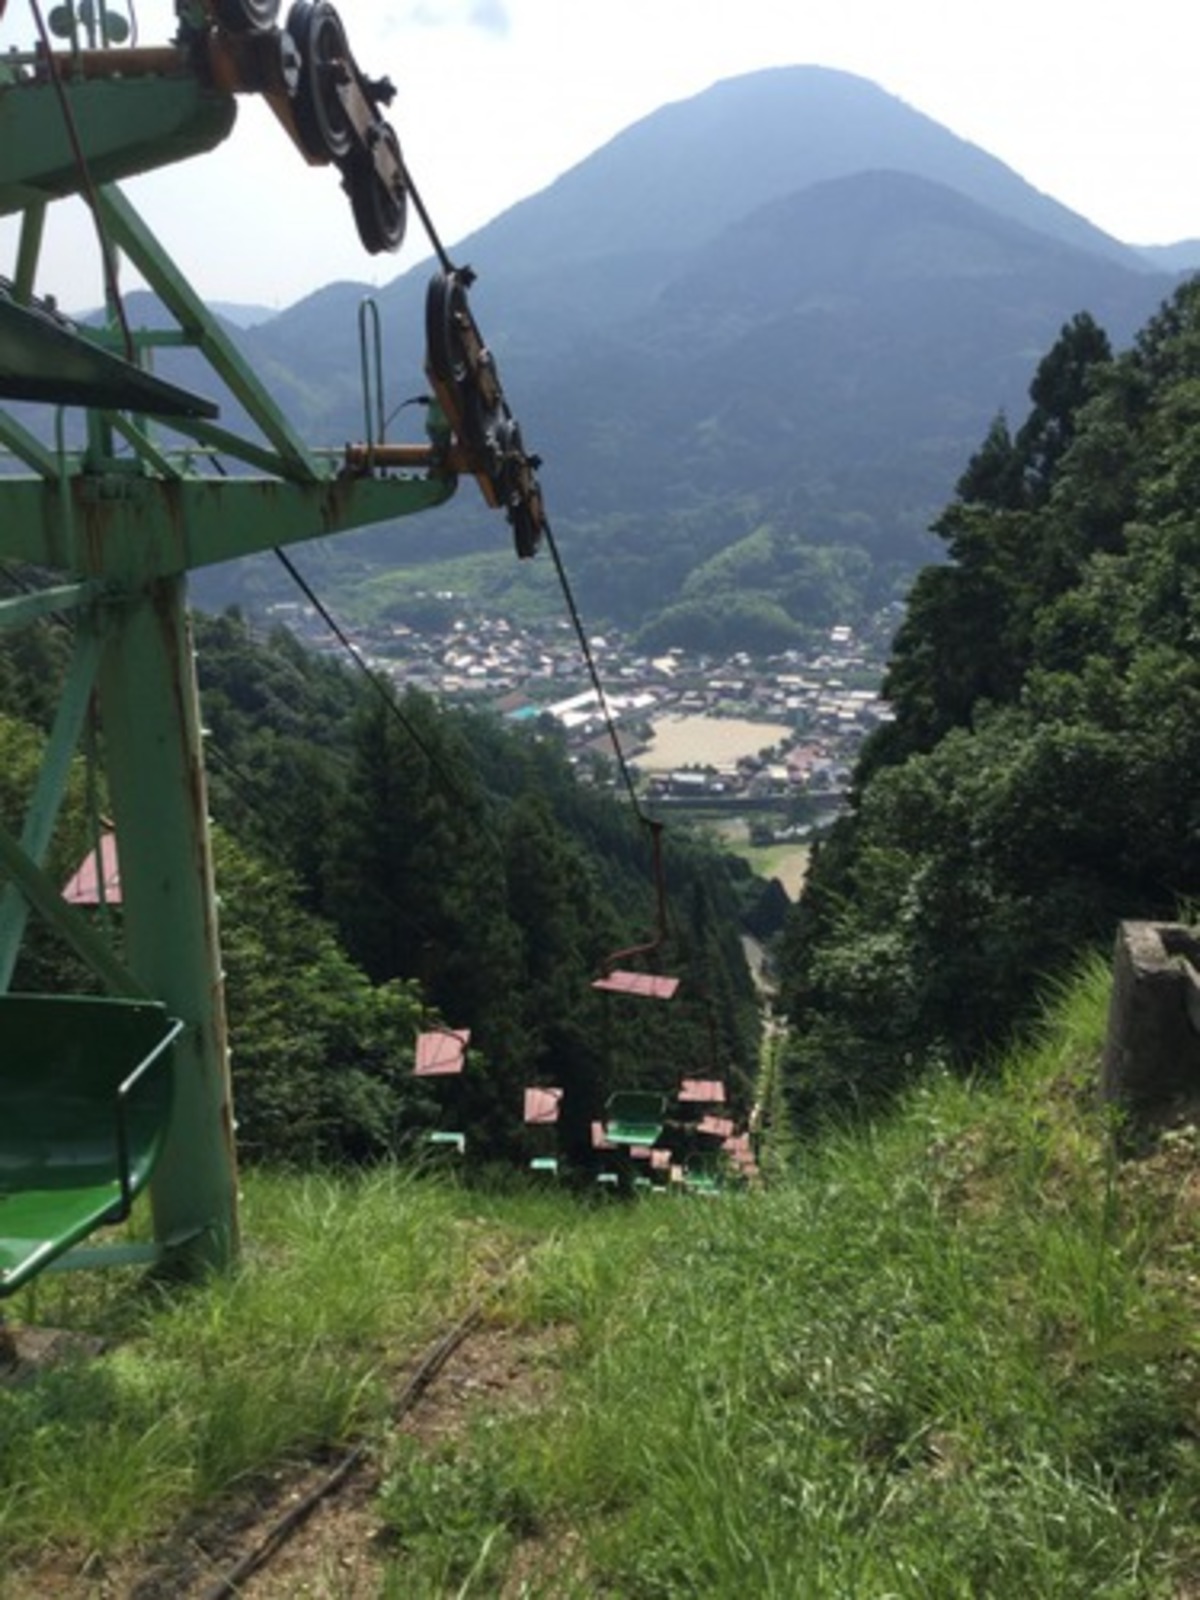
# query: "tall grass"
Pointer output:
{"type": "Point", "coordinates": [933, 1363]}
{"type": "Point", "coordinates": [203, 1389]}
{"type": "Point", "coordinates": [944, 1356]}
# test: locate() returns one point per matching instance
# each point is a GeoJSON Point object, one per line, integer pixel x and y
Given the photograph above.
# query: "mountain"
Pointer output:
{"type": "Point", "coordinates": [1181, 257]}
{"type": "Point", "coordinates": [602, 241]}
{"type": "Point", "coordinates": [786, 309]}
{"type": "Point", "coordinates": [685, 173]}
{"type": "Point", "coordinates": [243, 316]}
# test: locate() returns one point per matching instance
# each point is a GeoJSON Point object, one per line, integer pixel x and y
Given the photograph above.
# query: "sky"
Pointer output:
{"type": "Point", "coordinates": [1092, 101]}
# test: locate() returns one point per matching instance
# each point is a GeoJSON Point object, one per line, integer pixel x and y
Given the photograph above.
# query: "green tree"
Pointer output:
{"type": "Point", "coordinates": [1040, 781]}
{"type": "Point", "coordinates": [966, 637]}
{"type": "Point", "coordinates": [322, 1058]}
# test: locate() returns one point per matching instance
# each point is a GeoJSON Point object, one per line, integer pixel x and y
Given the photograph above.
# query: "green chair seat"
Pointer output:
{"type": "Point", "coordinates": [634, 1116]}
{"type": "Point", "coordinates": [86, 1088]}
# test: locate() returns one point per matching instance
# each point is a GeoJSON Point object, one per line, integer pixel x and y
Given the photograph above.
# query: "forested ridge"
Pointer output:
{"type": "Point", "coordinates": [385, 867]}
{"type": "Point", "coordinates": [1041, 780]}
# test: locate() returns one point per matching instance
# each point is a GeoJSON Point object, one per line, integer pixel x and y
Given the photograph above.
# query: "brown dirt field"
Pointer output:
{"type": "Point", "coordinates": [681, 741]}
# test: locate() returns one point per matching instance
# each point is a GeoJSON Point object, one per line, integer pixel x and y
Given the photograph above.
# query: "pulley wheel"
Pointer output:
{"type": "Point", "coordinates": [380, 211]}
{"type": "Point", "coordinates": [447, 317]}
{"type": "Point", "coordinates": [518, 489]}
{"type": "Point", "coordinates": [445, 306]}
{"type": "Point", "coordinates": [527, 526]}
{"type": "Point", "coordinates": [325, 129]}
{"type": "Point", "coordinates": [246, 16]}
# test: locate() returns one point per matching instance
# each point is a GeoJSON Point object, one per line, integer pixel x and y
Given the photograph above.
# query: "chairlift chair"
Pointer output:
{"type": "Point", "coordinates": [635, 1117]}
{"type": "Point", "coordinates": [97, 879]}
{"type": "Point", "coordinates": [86, 1090]}
{"type": "Point", "coordinates": [541, 1109]}
{"type": "Point", "coordinates": [701, 1092]}
{"type": "Point", "coordinates": [702, 1176]}
{"type": "Point", "coordinates": [444, 1139]}
{"type": "Point", "coordinates": [442, 1053]}
{"type": "Point", "coordinates": [619, 979]}
{"type": "Point", "coordinates": [542, 1106]}
{"type": "Point", "coordinates": [716, 1127]}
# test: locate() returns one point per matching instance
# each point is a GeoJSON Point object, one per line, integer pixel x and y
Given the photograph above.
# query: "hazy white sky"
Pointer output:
{"type": "Point", "coordinates": [1092, 101]}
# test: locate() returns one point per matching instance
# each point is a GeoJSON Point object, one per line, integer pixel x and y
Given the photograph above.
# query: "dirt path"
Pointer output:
{"type": "Point", "coordinates": [340, 1550]}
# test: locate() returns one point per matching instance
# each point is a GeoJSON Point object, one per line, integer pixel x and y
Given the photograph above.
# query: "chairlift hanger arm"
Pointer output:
{"type": "Point", "coordinates": [653, 945]}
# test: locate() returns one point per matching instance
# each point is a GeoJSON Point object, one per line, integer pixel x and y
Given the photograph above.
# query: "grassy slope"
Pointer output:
{"type": "Point", "coordinates": [950, 1356]}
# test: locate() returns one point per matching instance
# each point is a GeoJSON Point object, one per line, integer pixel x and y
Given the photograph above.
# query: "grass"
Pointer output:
{"type": "Point", "coordinates": [949, 1355]}
{"type": "Point", "coordinates": [788, 861]}
{"type": "Point", "coordinates": [202, 1390]}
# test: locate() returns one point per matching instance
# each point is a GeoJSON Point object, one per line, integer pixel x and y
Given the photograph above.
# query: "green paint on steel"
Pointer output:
{"type": "Point", "coordinates": [134, 524]}
{"type": "Point", "coordinates": [126, 126]}
{"type": "Point", "coordinates": [46, 899]}
{"type": "Point", "coordinates": [85, 1099]}
{"type": "Point", "coordinates": [634, 1117]}
{"type": "Point", "coordinates": [25, 608]}
{"type": "Point", "coordinates": [51, 788]}
{"type": "Point", "coordinates": [150, 714]}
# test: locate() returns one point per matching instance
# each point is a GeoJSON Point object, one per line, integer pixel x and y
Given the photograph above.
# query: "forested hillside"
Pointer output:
{"type": "Point", "coordinates": [1042, 777]}
{"type": "Point", "coordinates": [384, 868]}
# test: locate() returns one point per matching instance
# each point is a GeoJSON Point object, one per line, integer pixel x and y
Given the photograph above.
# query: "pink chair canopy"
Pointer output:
{"type": "Point", "coordinates": [719, 1127]}
{"type": "Point", "coordinates": [649, 985]}
{"type": "Point", "coordinates": [542, 1105]}
{"type": "Point", "coordinates": [83, 889]}
{"type": "Point", "coordinates": [701, 1092]}
{"type": "Point", "coordinates": [441, 1052]}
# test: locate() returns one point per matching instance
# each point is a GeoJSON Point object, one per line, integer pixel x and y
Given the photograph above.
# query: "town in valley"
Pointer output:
{"type": "Point", "coordinates": [771, 740]}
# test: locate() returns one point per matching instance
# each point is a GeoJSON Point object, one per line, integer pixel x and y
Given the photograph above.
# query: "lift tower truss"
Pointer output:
{"type": "Point", "coordinates": [114, 484]}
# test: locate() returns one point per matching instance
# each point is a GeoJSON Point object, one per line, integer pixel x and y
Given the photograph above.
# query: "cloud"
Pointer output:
{"type": "Point", "coordinates": [491, 16]}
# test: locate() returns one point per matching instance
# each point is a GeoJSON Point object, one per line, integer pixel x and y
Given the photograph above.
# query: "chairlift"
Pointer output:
{"type": "Point", "coordinates": [706, 1183]}
{"type": "Point", "coordinates": [444, 1139]}
{"type": "Point", "coordinates": [701, 1092]}
{"type": "Point", "coordinates": [542, 1106]}
{"type": "Point", "coordinates": [441, 1052]}
{"type": "Point", "coordinates": [635, 1117]}
{"type": "Point", "coordinates": [740, 1152]}
{"type": "Point", "coordinates": [716, 1127]}
{"type": "Point", "coordinates": [618, 979]}
{"type": "Point", "coordinates": [541, 1110]}
{"type": "Point", "coordinates": [86, 1090]}
{"type": "Point", "coordinates": [97, 879]}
